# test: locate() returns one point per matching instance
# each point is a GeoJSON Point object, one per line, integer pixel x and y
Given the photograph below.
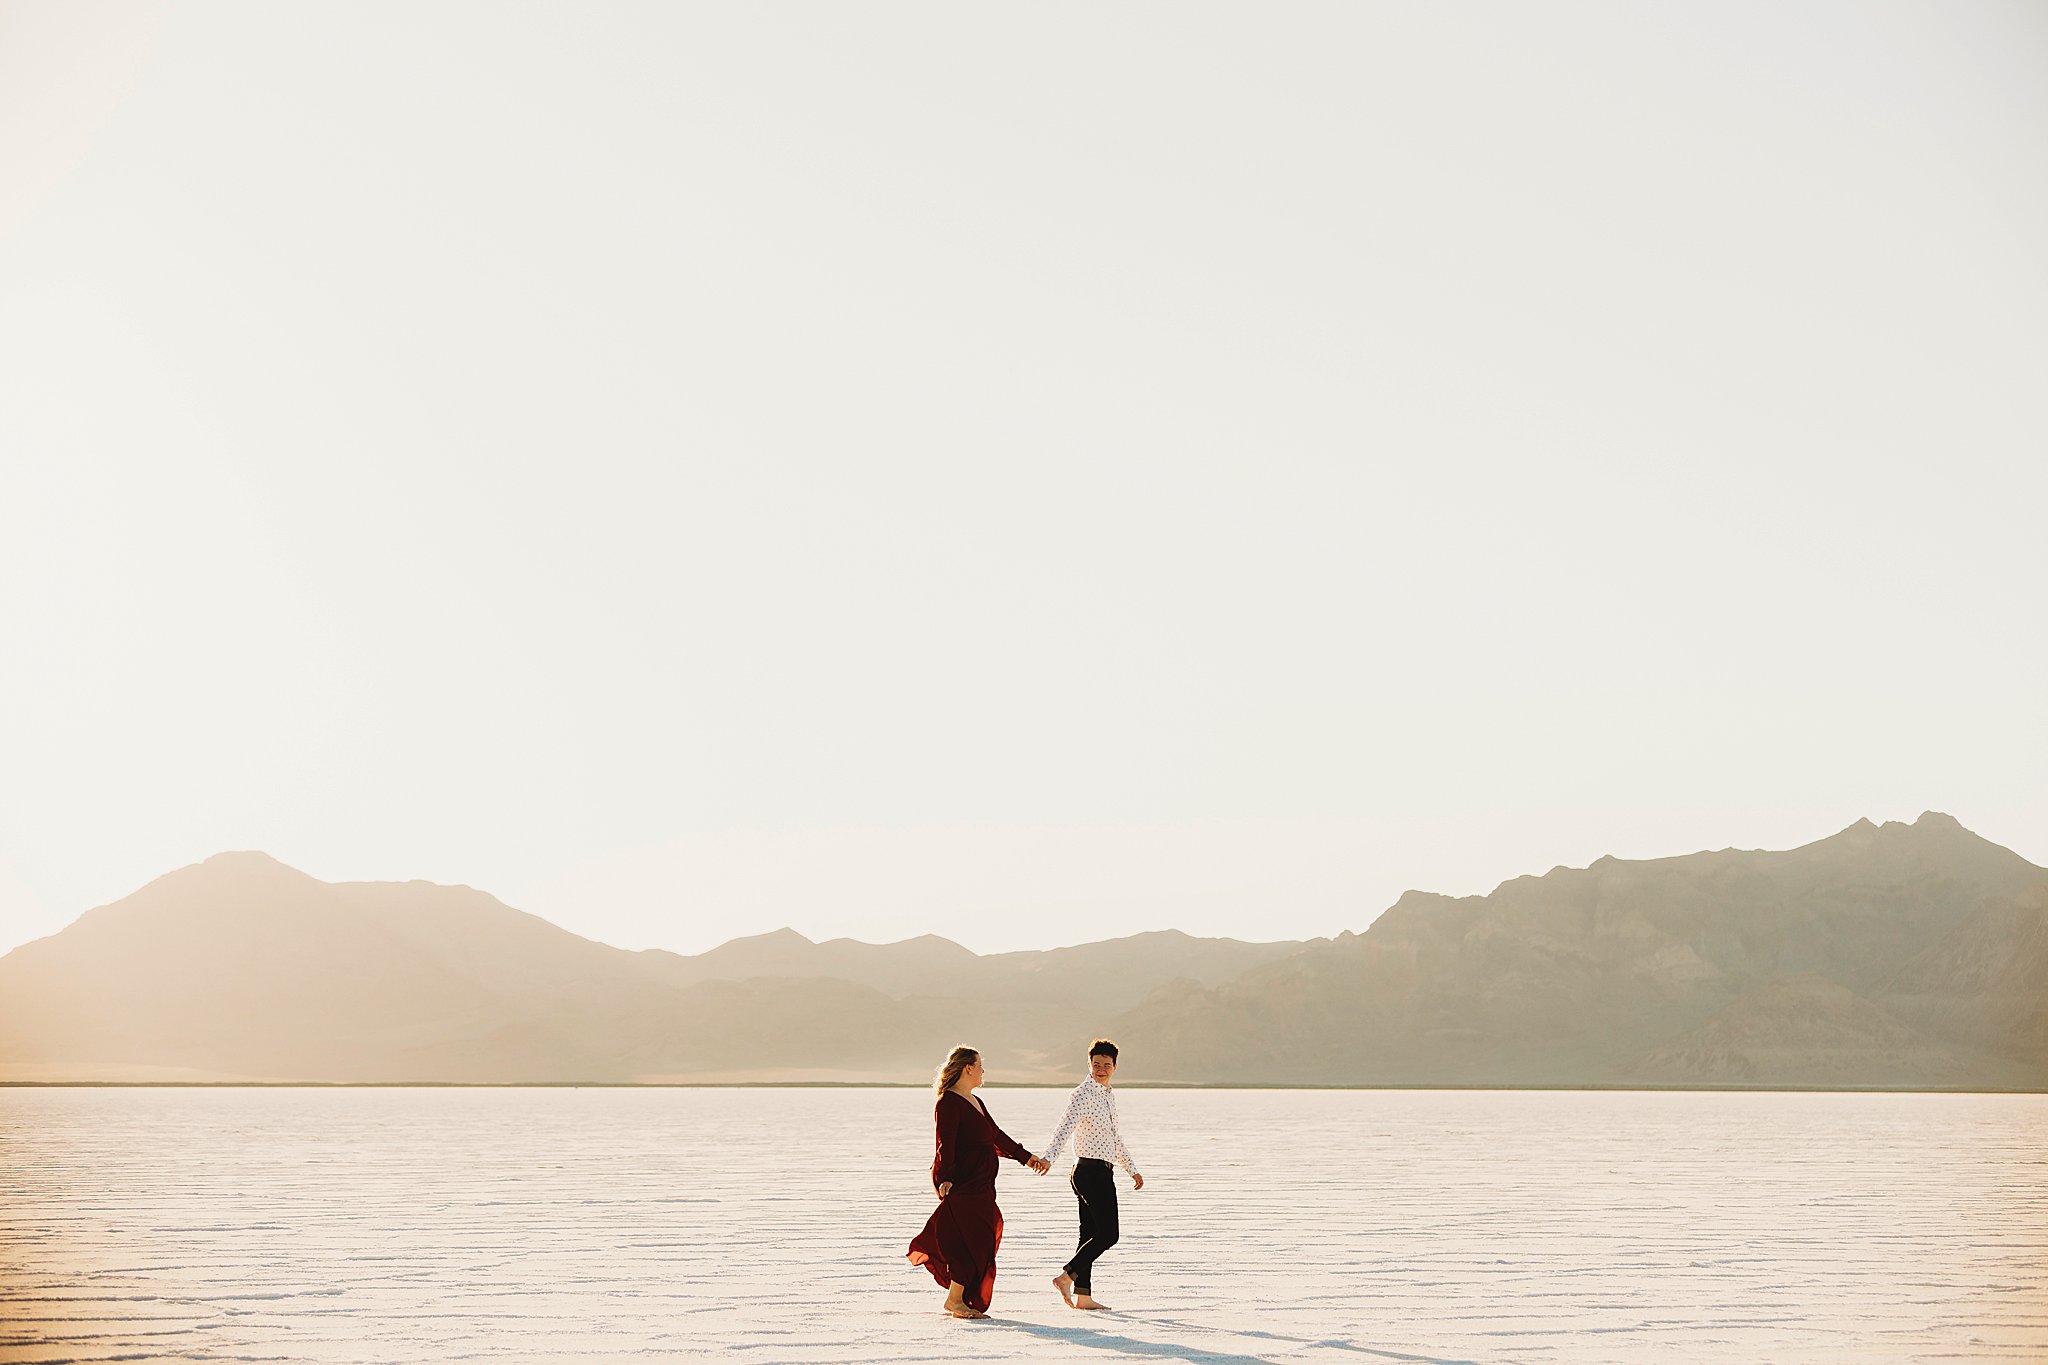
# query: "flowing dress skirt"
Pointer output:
{"type": "Point", "coordinates": [959, 1242]}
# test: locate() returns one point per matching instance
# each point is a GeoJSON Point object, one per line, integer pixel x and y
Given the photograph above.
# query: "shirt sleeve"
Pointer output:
{"type": "Point", "coordinates": [947, 1119]}
{"type": "Point", "coordinates": [1123, 1153]}
{"type": "Point", "coordinates": [1066, 1128]}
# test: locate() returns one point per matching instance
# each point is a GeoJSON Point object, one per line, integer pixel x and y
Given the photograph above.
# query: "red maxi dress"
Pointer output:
{"type": "Point", "coordinates": [959, 1240]}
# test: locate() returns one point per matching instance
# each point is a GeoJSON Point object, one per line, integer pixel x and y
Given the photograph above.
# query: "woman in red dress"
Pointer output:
{"type": "Point", "coordinates": [959, 1241]}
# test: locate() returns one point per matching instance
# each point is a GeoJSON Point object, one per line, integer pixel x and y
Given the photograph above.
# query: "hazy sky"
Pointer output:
{"type": "Point", "coordinates": [1022, 473]}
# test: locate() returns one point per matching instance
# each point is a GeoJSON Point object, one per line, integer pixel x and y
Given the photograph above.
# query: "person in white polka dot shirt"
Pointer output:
{"type": "Point", "coordinates": [1091, 1120]}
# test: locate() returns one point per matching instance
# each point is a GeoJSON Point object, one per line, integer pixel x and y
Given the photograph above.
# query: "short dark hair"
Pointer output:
{"type": "Point", "coordinates": [1102, 1047]}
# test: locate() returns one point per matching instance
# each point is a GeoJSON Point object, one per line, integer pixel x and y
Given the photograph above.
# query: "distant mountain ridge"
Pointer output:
{"type": "Point", "coordinates": [1919, 954]}
{"type": "Point", "coordinates": [1899, 956]}
{"type": "Point", "coordinates": [241, 968]}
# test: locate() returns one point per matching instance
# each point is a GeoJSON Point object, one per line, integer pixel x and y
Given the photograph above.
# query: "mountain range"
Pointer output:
{"type": "Point", "coordinates": [1910, 956]}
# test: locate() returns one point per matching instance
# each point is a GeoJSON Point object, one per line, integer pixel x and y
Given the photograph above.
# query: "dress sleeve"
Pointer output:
{"type": "Point", "coordinates": [1007, 1145]}
{"type": "Point", "coordinates": [1066, 1128]}
{"type": "Point", "coordinates": [947, 1119]}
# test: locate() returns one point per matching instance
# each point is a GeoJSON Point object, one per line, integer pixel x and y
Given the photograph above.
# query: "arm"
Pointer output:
{"type": "Point", "coordinates": [1066, 1128]}
{"type": "Point", "coordinates": [947, 1119]}
{"type": "Point", "coordinates": [1123, 1153]}
{"type": "Point", "coordinates": [1009, 1146]}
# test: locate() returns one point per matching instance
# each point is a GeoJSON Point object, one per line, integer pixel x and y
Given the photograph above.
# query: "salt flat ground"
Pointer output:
{"type": "Point", "coordinates": [769, 1226]}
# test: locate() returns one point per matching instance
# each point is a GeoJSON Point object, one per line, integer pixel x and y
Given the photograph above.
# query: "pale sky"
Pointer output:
{"type": "Point", "coordinates": [1028, 474]}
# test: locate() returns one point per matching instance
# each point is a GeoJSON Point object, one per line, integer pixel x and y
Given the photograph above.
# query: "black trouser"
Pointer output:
{"type": "Point", "coordinates": [1095, 1187]}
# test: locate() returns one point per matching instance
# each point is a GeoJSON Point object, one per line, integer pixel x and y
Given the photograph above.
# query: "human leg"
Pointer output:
{"type": "Point", "coordinates": [1095, 1191]}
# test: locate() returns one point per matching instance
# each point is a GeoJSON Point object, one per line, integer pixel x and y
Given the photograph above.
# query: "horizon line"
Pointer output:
{"type": "Point", "coordinates": [1589, 1087]}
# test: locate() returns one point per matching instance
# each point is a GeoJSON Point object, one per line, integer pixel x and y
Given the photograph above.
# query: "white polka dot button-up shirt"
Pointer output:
{"type": "Point", "coordinates": [1091, 1118]}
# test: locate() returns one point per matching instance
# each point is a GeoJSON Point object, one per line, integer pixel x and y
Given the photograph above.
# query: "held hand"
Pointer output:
{"type": "Point", "coordinates": [1039, 1164]}
{"type": "Point", "coordinates": [945, 1189]}
{"type": "Point", "coordinates": [1137, 1181]}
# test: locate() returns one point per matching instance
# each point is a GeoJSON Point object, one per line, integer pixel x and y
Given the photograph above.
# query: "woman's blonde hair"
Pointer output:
{"type": "Point", "coordinates": [957, 1061]}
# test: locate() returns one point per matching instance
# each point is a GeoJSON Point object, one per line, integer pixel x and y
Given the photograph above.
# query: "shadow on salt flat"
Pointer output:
{"type": "Point", "coordinates": [1109, 1341]}
{"type": "Point", "coordinates": [1104, 1341]}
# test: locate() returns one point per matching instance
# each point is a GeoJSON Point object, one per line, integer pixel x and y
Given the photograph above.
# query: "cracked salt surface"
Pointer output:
{"type": "Point", "coordinates": [769, 1226]}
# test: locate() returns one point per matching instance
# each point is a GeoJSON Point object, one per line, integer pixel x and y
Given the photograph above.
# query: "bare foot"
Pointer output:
{"type": "Point", "coordinates": [1084, 1301]}
{"type": "Point", "coordinates": [961, 1310]}
{"type": "Point", "coordinates": [1065, 1284]}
